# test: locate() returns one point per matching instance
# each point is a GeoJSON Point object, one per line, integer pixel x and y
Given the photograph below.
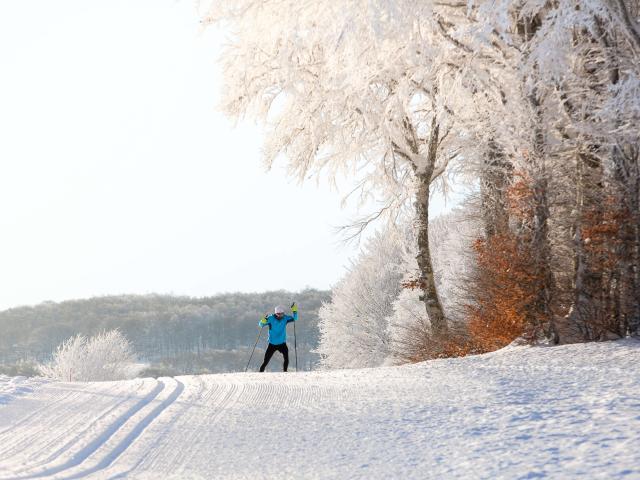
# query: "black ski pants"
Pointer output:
{"type": "Point", "coordinates": [271, 349]}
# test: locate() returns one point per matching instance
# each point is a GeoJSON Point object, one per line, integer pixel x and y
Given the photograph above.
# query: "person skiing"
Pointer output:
{"type": "Point", "coordinates": [278, 334]}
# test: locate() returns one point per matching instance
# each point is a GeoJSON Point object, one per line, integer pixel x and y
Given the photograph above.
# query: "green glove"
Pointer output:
{"type": "Point", "coordinates": [263, 321]}
{"type": "Point", "coordinates": [294, 307]}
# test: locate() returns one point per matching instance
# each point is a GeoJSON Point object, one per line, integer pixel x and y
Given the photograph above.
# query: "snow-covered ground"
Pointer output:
{"type": "Point", "coordinates": [561, 412]}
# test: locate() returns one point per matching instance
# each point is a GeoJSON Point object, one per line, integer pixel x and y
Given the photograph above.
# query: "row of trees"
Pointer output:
{"type": "Point", "coordinates": [534, 105]}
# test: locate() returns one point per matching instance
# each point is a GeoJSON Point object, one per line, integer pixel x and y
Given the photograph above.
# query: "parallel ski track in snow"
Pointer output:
{"type": "Point", "coordinates": [26, 440]}
{"type": "Point", "coordinates": [59, 443]}
{"type": "Point", "coordinates": [194, 391]}
{"type": "Point", "coordinates": [111, 448]}
{"type": "Point", "coordinates": [566, 412]}
{"type": "Point", "coordinates": [198, 417]}
{"type": "Point", "coordinates": [79, 450]}
{"type": "Point", "coordinates": [62, 395]}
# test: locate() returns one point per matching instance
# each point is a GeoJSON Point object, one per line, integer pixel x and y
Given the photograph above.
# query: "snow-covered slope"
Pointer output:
{"type": "Point", "coordinates": [561, 412]}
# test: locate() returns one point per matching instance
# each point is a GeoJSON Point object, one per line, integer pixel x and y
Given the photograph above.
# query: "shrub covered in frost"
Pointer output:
{"type": "Point", "coordinates": [102, 357]}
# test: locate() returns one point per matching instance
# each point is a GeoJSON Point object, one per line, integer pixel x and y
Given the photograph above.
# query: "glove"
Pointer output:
{"type": "Point", "coordinates": [263, 321]}
{"type": "Point", "coordinates": [294, 307]}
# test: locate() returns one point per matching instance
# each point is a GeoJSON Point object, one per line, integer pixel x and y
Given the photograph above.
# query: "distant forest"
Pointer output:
{"type": "Point", "coordinates": [173, 334]}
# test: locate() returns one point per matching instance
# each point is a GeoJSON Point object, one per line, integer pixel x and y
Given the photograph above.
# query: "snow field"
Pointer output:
{"type": "Point", "coordinates": [561, 412]}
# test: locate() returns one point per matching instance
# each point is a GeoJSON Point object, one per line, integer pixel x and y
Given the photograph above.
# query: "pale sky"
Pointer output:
{"type": "Point", "coordinates": [118, 174]}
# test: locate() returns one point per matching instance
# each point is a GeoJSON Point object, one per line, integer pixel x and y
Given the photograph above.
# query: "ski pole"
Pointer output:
{"type": "Point", "coordinates": [295, 340]}
{"type": "Point", "coordinates": [254, 349]}
{"type": "Point", "coordinates": [295, 344]}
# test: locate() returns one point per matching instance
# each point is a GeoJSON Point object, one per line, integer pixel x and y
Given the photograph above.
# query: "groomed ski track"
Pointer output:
{"type": "Point", "coordinates": [561, 412]}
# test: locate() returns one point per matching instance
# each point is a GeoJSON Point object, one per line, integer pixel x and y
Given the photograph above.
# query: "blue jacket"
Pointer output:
{"type": "Point", "coordinates": [278, 328]}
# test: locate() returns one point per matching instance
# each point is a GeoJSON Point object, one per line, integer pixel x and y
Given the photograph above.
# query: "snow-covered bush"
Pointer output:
{"type": "Point", "coordinates": [102, 357]}
{"type": "Point", "coordinates": [353, 326]}
{"type": "Point", "coordinates": [411, 337]}
{"type": "Point", "coordinates": [372, 319]}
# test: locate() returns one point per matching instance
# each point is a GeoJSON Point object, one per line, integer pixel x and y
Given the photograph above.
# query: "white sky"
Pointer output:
{"type": "Point", "coordinates": [118, 175]}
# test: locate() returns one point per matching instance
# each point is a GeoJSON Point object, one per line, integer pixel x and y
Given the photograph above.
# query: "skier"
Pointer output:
{"type": "Point", "coordinates": [278, 334]}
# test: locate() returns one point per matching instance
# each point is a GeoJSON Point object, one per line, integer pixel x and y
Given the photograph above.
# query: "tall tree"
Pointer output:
{"type": "Point", "coordinates": [367, 87]}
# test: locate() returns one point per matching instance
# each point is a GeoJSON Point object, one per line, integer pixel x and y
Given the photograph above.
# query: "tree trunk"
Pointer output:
{"type": "Point", "coordinates": [427, 279]}
{"type": "Point", "coordinates": [541, 319]}
{"type": "Point", "coordinates": [586, 310]}
{"type": "Point", "coordinates": [627, 175]}
{"type": "Point", "coordinates": [634, 266]}
{"type": "Point", "coordinates": [493, 184]}
{"type": "Point", "coordinates": [430, 297]}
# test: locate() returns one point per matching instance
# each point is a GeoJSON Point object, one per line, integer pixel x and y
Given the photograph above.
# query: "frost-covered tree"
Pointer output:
{"type": "Point", "coordinates": [375, 313]}
{"type": "Point", "coordinates": [102, 357]}
{"type": "Point", "coordinates": [353, 325]}
{"type": "Point", "coordinates": [376, 89]}
{"type": "Point", "coordinates": [411, 336]}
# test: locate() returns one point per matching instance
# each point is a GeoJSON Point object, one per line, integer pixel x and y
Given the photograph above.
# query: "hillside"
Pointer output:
{"type": "Point", "coordinates": [523, 412]}
{"type": "Point", "coordinates": [175, 334]}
